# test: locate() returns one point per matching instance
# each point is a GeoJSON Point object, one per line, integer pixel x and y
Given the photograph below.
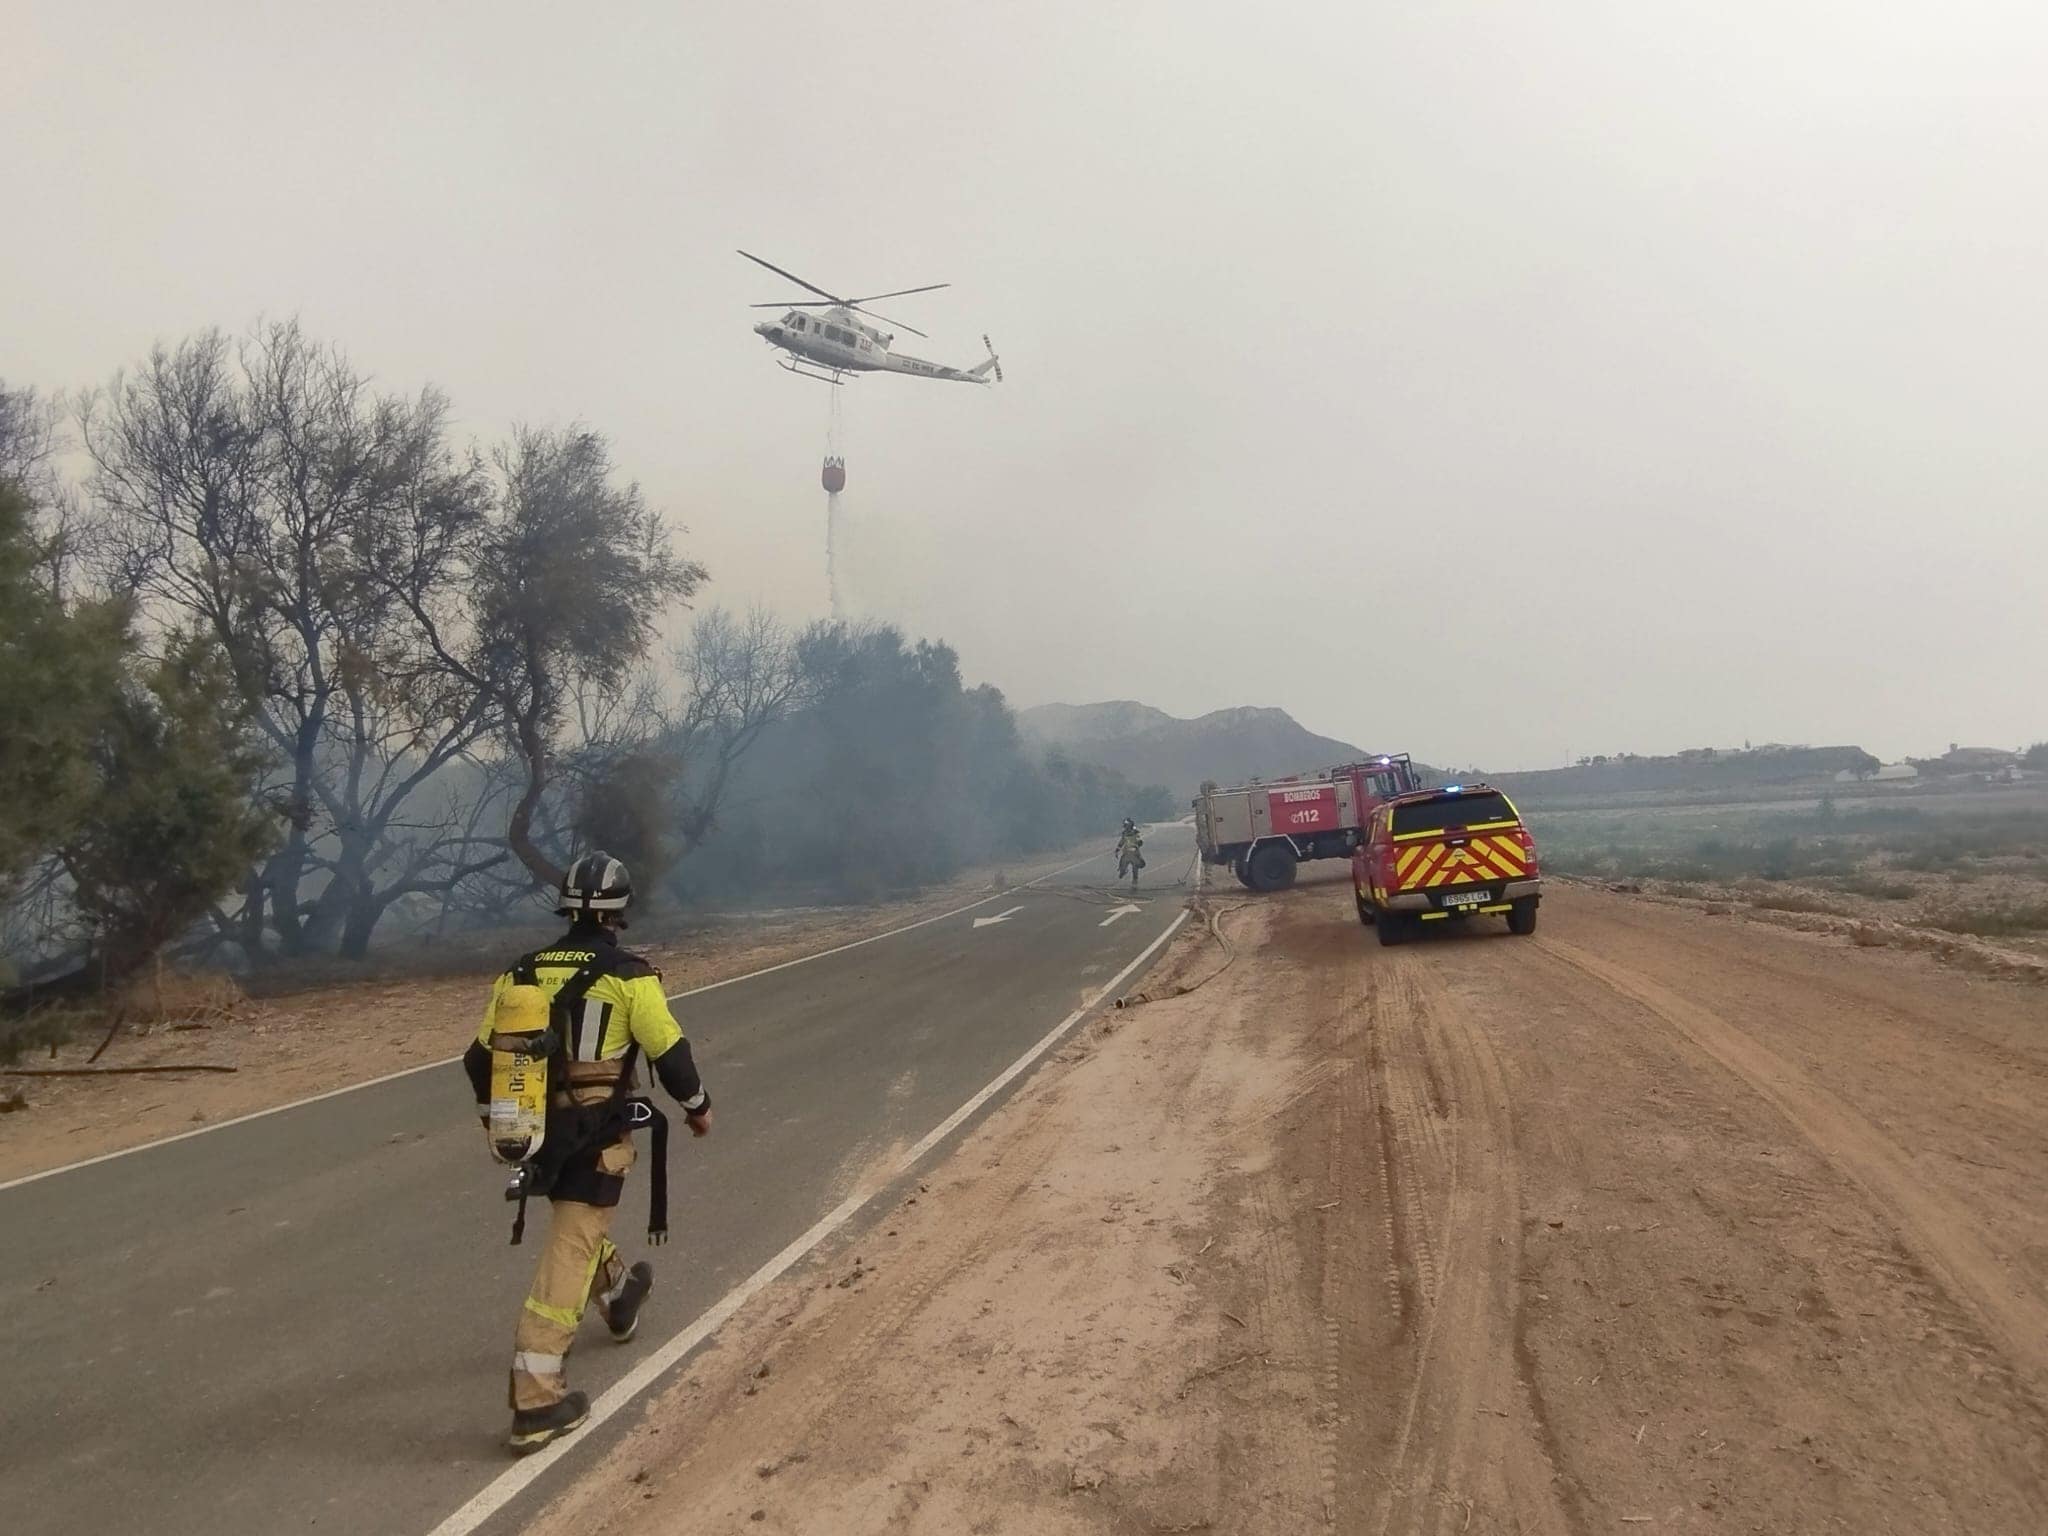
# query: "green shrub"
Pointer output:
{"type": "Point", "coordinates": [1878, 888]}
{"type": "Point", "coordinates": [1790, 901]}
{"type": "Point", "coordinates": [2003, 918]}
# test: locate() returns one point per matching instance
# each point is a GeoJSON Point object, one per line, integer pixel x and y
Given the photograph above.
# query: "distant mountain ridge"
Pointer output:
{"type": "Point", "coordinates": [1149, 746]}
{"type": "Point", "coordinates": [1699, 770]}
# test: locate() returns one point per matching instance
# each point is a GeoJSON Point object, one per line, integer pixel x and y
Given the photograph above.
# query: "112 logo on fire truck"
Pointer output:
{"type": "Point", "coordinates": [1310, 808]}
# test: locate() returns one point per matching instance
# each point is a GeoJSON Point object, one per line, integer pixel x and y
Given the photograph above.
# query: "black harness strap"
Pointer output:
{"type": "Point", "coordinates": [576, 1128]}
{"type": "Point", "coordinates": [639, 1111]}
{"type": "Point", "coordinates": [537, 1175]}
{"type": "Point", "coordinates": [657, 1178]}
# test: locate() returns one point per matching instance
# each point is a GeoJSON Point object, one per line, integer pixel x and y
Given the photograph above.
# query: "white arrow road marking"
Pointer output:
{"type": "Point", "coordinates": [1123, 911]}
{"type": "Point", "coordinates": [449, 1061]}
{"type": "Point", "coordinates": [1000, 917]}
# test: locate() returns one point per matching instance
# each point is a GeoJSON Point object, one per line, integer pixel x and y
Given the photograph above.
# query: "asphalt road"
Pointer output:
{"type": "Point", "coordinates": [303, 1321]}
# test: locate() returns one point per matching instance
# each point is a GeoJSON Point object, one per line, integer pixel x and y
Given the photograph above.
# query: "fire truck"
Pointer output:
{"type": "Point", "coordinates": [1263, 830]}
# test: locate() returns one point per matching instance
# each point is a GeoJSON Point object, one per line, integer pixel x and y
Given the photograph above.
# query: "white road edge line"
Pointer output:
{"type": "Point", "coordinates": [392, 1077]}
{"type": "Point", "coordinates": [510, 1483]}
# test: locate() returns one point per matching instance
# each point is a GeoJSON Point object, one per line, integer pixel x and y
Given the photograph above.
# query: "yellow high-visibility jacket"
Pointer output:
{"type": "Point", "coordinates": [625, 1006]}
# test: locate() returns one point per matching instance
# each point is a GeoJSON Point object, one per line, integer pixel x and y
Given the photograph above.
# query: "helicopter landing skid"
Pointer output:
{"type": "Point", "coordinates": [806, 373]}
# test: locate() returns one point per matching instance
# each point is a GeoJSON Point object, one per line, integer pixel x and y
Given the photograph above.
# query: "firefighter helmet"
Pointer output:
{"type": "Point", "coordinates": [597, 882]}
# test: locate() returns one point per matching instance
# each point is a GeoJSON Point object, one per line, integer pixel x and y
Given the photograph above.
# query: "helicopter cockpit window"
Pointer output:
{"type": "Point", "coordinates": [796, 323]}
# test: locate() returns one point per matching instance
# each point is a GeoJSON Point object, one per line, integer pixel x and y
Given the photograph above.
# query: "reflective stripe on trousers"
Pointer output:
{"type": "Point", "coordinates": [577, 1261]}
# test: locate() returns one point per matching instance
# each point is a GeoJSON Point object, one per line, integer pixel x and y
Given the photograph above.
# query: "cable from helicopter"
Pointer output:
{"type": "Point", "coordinates": [834, 478]}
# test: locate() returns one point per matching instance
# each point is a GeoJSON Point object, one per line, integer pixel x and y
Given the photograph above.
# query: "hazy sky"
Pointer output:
{"type": "Point", "coordinates": [1494, 381]}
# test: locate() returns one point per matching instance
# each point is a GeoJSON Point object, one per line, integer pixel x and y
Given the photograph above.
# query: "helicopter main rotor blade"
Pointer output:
{"type": "Point", "coordinates": [927, 288]}
{"type": "Point", "coordinates": [836, 304]}
{"type": "Point", "coordinates": [887, 321]}
{"type": "Point", "coordinates": [812, 287]}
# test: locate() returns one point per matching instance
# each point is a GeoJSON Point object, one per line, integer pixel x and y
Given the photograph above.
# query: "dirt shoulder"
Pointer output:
{"type": "Point", "coordinates": [287, 1045]}
{"type": "Point", "coordinates": [1650, 1221]}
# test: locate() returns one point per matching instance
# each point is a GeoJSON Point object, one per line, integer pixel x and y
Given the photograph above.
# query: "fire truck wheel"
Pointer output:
{"type": "Point", "coordinates": [1237, 868]}
{"type": "Point", "coordinates": [1272, 867]}
{"type": "Point", "coordinates": [1522, 916]}
{"type": "Point", "coordinates": [1393, 928]}
{"type": "Point", "coordinates": [1364, 910]}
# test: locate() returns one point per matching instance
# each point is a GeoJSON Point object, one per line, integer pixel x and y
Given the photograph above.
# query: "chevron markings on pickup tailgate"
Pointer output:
{"type": "Point", "coordinates": [1425, 866]}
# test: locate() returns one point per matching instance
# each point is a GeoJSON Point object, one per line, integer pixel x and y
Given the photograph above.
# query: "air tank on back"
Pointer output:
{"type": "Point", "coordinates": [834, 475]}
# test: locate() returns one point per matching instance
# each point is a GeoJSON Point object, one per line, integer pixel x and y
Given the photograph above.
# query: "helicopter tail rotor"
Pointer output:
{"type": "Point", "coordinates": [994, 364]}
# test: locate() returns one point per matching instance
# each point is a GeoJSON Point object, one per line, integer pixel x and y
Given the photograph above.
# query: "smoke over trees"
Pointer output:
{"type": "Point", "coordinates": [568, 577]}
{"type": "Point", "coordinates": [837, 762]}
{"type": "Point", "coordinates": [284, 658]}
{"type": "Point", "coordinates": [893, 772]}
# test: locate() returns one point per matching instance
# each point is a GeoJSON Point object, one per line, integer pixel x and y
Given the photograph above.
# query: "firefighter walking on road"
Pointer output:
{"type": "Point", "coordinates": [1130, 856]}
{"type": "Point", "coordinates": [605, 1007]}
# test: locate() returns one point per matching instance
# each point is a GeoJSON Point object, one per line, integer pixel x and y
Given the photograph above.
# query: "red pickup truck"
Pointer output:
{"type": "Point", "coordinates": [1442, 854]}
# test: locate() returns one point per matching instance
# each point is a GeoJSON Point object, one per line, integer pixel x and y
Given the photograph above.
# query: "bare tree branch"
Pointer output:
{"type": "Point", "coordinates": [265, 494]}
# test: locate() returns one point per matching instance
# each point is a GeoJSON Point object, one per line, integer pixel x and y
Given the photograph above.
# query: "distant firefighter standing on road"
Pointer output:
{"type": "Point", "coordinates": [553, 1068]}
{"type": "Point", "coordinates": [1130, 857]}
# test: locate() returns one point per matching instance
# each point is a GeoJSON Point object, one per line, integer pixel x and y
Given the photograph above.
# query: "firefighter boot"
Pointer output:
{"type": "Point", "coordinates": [622, 1307]}
{"type": "Point", "coordinates": [533, 1428]}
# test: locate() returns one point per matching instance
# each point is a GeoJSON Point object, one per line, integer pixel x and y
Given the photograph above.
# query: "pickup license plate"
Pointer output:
{"type": "Point", "coordinates": [1455, 899]}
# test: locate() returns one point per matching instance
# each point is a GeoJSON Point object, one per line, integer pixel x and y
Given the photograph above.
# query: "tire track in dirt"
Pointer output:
{"type": "Point", "coordinates": [1308, 1213]}
{"type": "Point", "coordinates": [1696, 1268]}
{"type": "Point", "coordinates": [1343, 1278]}
{"type": "Point", "coordinates": [1286, 1421]}
{"type": "Point", "coordinates": [1871, 990]}
{"type": "Point", "coordinates": [1942, 1242]}
{"type": "Point", "coordinates": [1469, 1451]}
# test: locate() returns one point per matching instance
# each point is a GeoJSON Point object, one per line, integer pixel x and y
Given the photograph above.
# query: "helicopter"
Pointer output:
{"type": "Point", "coordinates": [834, 343]}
